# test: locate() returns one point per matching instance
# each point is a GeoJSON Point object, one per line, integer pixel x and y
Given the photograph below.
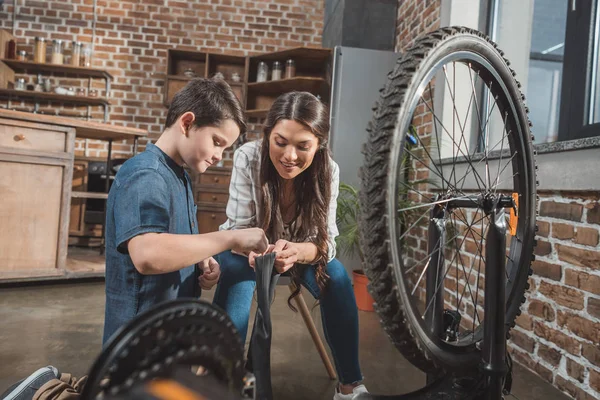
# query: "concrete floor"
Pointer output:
{"type": "Point", "coordinates": [61, 325]}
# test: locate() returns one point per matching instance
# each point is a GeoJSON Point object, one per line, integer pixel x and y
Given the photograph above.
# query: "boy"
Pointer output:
{"type": "Point", "coordinates": [152, 241]}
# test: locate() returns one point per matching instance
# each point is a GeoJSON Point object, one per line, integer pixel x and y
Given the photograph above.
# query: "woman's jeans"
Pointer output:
{"type": "Point", "coordinates": [338, 307]}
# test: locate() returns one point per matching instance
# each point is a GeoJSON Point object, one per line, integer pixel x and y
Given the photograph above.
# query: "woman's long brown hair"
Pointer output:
{"type": "Point", "coordinates": [312, 187]}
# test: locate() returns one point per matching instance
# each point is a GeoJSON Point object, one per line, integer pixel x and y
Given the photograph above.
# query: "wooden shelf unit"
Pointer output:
{"type": "Point", "coordinates": [46, 96]}
{"type": "Point", "coordinates": [35, 68]}
{"type": "Point", "coordinates": [313, 74]}
{"type": "Point", "coordinates": [29, 67]}
{"type": "Point", "coordinates": [204, 65]}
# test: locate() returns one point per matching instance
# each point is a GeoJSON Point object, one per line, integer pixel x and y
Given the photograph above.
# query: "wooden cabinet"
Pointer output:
{"type": "Point", "coordinates": [312, 74]}
{"type": "Point", "coordinates": [204, 65]}
{"type": "Point", "coordinates": [211, 192]}
{"type": "Point", "coordinates": [35, 186]}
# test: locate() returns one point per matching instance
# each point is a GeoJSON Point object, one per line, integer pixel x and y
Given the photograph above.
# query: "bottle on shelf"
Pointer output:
{"type": "Point", "coordinates": [263, 72]}
{"type": "Point", "coordinates": [276, 73]}
{"type": "Point", "coordinates": [290, 68]}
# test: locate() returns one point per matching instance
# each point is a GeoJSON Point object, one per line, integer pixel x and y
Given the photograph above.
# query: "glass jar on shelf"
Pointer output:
{"type": "Point", "coordinates": [290, 68]}
{"type": "Point", "coordinates": [189, 73]}
{"type": "Point", "coordinates": [39, 52]}
{"type": "Point", "coordinates": [86, 56]}
{"type": "Point", "coordinates": [39, 86]}
{"type": "Point", "coordinates": [262, 72]}
{"type": "Point", "coordinates": [75, 53]}
{"type": "Point", "coordinates": [93, 93]}
{"type": "Point", "coordinates": [276, 73]}
{"type": "Point", "coordinates": [57, 52]}
{"type": "Point", "coordinates": [20, 84]}
{"type": "Point", "coordinates": [22, 55]}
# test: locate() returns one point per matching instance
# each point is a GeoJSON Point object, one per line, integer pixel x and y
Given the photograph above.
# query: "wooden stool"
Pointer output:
{"type": "Point", "coordinates": [310, 324]}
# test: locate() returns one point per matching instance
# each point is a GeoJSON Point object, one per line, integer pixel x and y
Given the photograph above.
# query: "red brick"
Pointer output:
{"type": "Point", "coordinates": [563, 231]}
{"type": "Point", "coordinates": [547, 270]}
{"type": "Point", "coordinates": [575, 370]}
{"type": "Point", "coordinates": [523, 341]}
{"type": "Point", "coordinates": [568, 211]}
{"type": "Point", "coordinates": [565, 296]}
{"type": "Point", "coordinates": [595, 380]}
{"type": "Point", "coordinates": [580, 257]}
{"type": "Point", "coordinates": [593, 213]}
{"type": "Point", "coordinates": [541, 309]}
{"type": "Point", "coordinates": [592, 353]}
{"type": "Point", "coordinates": [586, 236]}
{"type": "Point", "coordinates": [568, 343]}
{"type": "Point", "coordinates": [582, 327]}
{"type": "Point", "coordinates": [548, 354]}
{"type": "Point", "coordinates": [524, 321]}
{"type": "Point", "coordinates": [583, 281]}
{"type": "Point", "coordinates": [594, 307]}
{"type": "Point", "coordinates": [543, 248]}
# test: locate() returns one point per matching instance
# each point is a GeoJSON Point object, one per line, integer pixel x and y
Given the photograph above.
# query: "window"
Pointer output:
{"type": "Point", "coordinates": [553, 46]}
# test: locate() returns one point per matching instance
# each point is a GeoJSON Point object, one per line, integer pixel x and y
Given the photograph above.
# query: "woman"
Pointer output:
{"type": "Point", "coordinates": [287, 184]}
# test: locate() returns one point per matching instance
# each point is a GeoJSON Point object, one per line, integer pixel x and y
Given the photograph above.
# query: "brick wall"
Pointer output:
{"type": "Point", "coordinates": [132, 37]}
{"type": "Point", "coordinates": [558, 334]}
{"type": "Point", "coordinates": [415, 17]}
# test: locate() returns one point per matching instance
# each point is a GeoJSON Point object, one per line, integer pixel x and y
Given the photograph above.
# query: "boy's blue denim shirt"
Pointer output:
{"type": "Point", "coordinates": [150, 193]}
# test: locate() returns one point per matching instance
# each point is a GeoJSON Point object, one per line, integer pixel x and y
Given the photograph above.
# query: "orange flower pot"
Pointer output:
{"type": "Point", "coordinates": [364, 301]}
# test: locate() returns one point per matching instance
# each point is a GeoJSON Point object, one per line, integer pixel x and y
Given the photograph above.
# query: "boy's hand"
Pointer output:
{"type": "Point", "coordinates": [211, 273]}
{"type": "Point", "coordinates": [251, 239]}
{"type": "Point", "coordinates": [287, 255]}
{"type": "Point", "coordinates": [253, 255]}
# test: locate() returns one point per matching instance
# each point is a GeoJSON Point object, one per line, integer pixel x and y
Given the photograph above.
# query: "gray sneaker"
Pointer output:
{"type": "Point", "coordinates": [26, 388]}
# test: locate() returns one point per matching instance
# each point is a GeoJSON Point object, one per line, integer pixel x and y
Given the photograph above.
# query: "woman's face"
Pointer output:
{"type": "Point", "coordinates": [292, 148]}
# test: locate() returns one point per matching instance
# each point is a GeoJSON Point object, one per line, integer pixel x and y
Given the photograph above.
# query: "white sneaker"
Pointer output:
{"type": "Point", "coordinates": [354, 395]}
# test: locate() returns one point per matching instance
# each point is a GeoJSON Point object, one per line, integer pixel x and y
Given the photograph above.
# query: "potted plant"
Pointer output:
{"type": "Point", "coordinates": [348, 211]}
{"type": "Point", "coordinates": [347, 219]}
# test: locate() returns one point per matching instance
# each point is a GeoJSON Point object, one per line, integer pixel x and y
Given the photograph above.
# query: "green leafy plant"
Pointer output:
{"type": "Point", "coordinates": [348, 212]}
{"type": "Point", "coordinates": [348, 209]}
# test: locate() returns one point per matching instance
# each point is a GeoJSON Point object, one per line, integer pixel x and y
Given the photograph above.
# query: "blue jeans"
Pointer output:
{"type": "Point", "coordinates": [338, 307]}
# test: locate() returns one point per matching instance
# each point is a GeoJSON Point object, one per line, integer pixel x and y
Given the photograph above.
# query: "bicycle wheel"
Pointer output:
{"type": "Point", "coordinates": [449, 133]}
{"type": "Point", "coordinates": [181, 332]}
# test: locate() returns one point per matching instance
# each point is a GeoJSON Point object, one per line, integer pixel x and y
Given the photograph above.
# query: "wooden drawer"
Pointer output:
{"type": "Point", "coordinates": [25, 138]}
{"type": "Point", "coordinates": [210, 219]}
{"type": "Point", "coordinates": [220, 179]}
{"type": "Point", "coordinates": [30, 211]}
{"type": "Point", "coordinates": [213, 198]}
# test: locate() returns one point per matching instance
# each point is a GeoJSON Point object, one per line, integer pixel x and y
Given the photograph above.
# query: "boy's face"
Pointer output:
{"type": "Point", "coordinates": [202, 147]}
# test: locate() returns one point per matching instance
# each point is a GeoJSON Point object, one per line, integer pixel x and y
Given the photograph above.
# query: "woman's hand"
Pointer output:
{"type": "Point", "coordinates": [287, 255]}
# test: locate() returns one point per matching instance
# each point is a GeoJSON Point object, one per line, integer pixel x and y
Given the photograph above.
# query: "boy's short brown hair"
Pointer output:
{"type": "Point", "coordinates": [211, 100]}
